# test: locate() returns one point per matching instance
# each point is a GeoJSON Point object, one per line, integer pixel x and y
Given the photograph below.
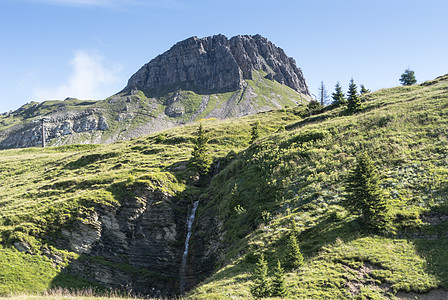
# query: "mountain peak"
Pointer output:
{"type": "Point", "coordinates": [211, 77]}
{"type": "Point", "coordinates": [217, 64]}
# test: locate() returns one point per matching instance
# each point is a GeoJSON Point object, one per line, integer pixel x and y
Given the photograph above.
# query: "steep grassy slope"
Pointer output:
{"type": "Point", "coordinates": [46, 191]}
{"type": "Point", "coordinates": [295, 172]}
{"type": "Point", "coordinates": [298, 175]}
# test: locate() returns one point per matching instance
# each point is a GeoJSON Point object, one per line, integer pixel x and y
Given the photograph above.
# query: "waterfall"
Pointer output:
{"type": "Point", "coordinates": [190, 221]}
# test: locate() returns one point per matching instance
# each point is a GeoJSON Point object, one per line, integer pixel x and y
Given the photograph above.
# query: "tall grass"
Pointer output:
{"type": "Point", "coordinates": [61, 293]}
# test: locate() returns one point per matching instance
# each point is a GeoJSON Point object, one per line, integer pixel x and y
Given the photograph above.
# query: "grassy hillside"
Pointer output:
{"type": "Point", "coordinates": [298, 175]}
{"type": "Point", "coordinates": [47, 190]}
{"type": "Point", "coordinates": [132, 114]}
{"type": "Point", "coordinates": [294, 173]}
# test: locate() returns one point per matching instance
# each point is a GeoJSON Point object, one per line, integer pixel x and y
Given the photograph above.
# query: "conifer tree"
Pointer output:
{"type": "Point", "coordinates": [338, 96]}
{"type": "Point", "coordinates": [293, 257]}
{"type": "Point", "coordinates": [278, 288]}
{"type": "Point", "coordinates": [365, 194]}
{"type": "Point", "coordinates": [255, 134]}
{"type": "Point", "coordinates": [261, 286]}
{"type": "Point", "coordinates": [200, 159]}
{"type": "Point", "coordinates": [364, 90]}
{"type": "Point", "coordinates": [408, 77]}
{"type": "Point", "coordinates": [353, 100]}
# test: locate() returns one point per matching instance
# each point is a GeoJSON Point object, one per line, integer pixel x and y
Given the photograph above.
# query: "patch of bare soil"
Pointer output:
{"type": "Point", "coordinates": [437, 294]}
{"type": "Point", "coordinates": [364, 278]}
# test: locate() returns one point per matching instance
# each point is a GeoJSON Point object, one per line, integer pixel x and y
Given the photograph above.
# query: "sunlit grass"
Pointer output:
{"type": "Point", "coordinates": [294, 172]}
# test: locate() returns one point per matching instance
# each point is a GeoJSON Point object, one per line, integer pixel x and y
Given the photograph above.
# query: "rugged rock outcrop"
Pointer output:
{"type": "Point", "coordinates": [217, 64]}
{"type": "Point", "coordinates": [139, 243]}
{"type": "Point", "coordinates": [57, 126]}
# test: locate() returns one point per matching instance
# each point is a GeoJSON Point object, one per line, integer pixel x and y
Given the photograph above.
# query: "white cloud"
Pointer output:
{"type": "Point", "coordinates": [91, 79]}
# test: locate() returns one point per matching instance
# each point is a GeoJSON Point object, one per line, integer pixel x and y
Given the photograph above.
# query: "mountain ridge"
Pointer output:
{"type": "Point", "coordinates": [196, 78]}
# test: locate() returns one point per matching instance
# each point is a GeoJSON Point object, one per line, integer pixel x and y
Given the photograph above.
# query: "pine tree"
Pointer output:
{"type": "Point", "coordinates": [261, 286]}
{"type": "Point", "coordinates": [255, 134]}
{"type": "Point", "coordinates": [200, 159]}
{"type": "Point", "coordinates": [293, 257]}
{"type": "Point", "coordinates": [278, 288]}
{"type": "Point", "coordinates": [353, 100]}
{"type": "Point", "coordinates": [408, 77]}
{"type": "Point", "coordinates": [338, 96]}
{"type": "Point", "coordinates": [365, 194]}
{"type": "Point", "coordinates": [364, 90]}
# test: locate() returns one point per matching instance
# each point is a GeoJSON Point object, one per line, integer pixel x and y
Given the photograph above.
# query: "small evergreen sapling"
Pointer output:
{"type": "Point", "coordinates": [293, 257]}
{"type": "Point", "coordinates": [261, 286]}
{"type": "Point", "coordinates": [338, 96]}
{"type": "Point", "coordinates": [279, 288]}
{"type": "Point", "coordinates": [365, 194]}
{"type": "Point", "coordinates": [353, 100]}
{"type": "Point", "coordinates": [200, 159]}
{"type": "Point", "coordinates": [255, 133]}
{"type": "Point", "coordinates": [364, 90]}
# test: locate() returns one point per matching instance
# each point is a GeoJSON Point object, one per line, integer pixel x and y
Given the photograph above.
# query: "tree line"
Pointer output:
{"type": "Point", "coordinates": [353, 100]}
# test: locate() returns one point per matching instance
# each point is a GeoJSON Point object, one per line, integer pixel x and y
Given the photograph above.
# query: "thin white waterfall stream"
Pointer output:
{"type": "Point", "coordinates": [183, 266]}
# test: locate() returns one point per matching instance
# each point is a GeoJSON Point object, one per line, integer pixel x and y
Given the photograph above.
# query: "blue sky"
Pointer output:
{"type": "Point", "coordinates": [53, 49]}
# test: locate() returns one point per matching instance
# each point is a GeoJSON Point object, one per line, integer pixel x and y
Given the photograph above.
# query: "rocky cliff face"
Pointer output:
{"type": "Point", "coordinates": [57, 126]}
{"type": "Point", "coordinates": [140, 244]}
{"type": "Point", "coordinates": [217, 64]}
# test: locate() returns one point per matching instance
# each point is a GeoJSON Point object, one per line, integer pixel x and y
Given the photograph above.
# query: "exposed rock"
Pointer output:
{"type": "Point", "coordinates": [57, 125]}
{"type": "Point", "coordinates": [203, 64]}
{"type": "Point", "coordinates": [85, 124]}
{"type": "Point", "coordinates": [22, 246]}
{"type": "Point", "coordinates": [102, 124]}
{"type": "Point", "coordinates": [175, 108]}
{"type": "Point", "coordinates": [206, 248]}
{"type": "Point", "coordinates": [144, 233]}
{"type": "Point", "coordinates": [258, 53]}
{"type": "Point", "coordinates": [83, 235]}
{"type": "Point", "coordinates": [217, 64]}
